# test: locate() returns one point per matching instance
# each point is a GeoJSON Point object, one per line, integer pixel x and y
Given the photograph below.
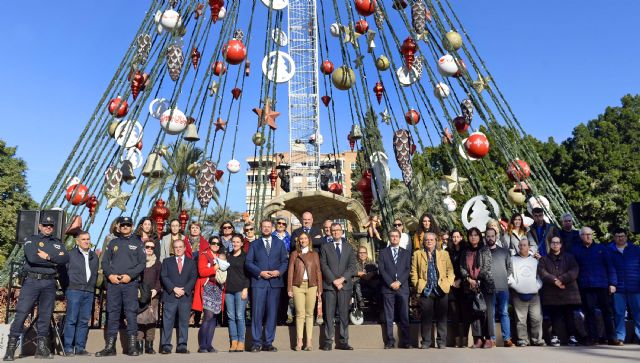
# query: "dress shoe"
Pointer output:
{"type": "Point", "coordinates": [203, 350]}
{"type": "Point", "coordinates": [165, 350]}
{"type": "Point", "coordinates": [405, 346]}
{"type": "Point", "coordinates": [488, 344]}
{"type": "Point", "coordinates": [388, 346]}
{"type": "Point", "coordinates": [182, 350]}
{"type": "Point", "coordinates": [212, 350]}
{"type": "Point", "coordinates": [441, 345]}
{"type": "Point", "coordinates": [270, 348]}
{"type": "Point", "coordinates": [256, 349]}
{"type": "Point", "coordinates": [344, 347]}
{"type": "Point", "coordinates": [326, 348]}
{"type": "Point", "coordinates": [69, 354]}
{"type": "Point", "coordinates": [508, 343]}
{"type": "Point", "coordinates": [478, 343]}
{"type": "Point", "coordinates": [83, 353]}
{"type": "Point", "coordinates": [616, 342]}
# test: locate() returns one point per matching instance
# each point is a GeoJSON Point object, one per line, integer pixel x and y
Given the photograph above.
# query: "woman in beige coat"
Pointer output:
{"type": "Point", "coordinates": [432, 276]}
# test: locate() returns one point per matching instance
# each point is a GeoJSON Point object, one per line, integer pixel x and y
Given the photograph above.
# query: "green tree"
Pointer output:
{"type": "Point", "coordinates": [14, 196]}
{"type": "Point", "coordinates": [177, 177]}
{"type": "Point", "coordinates": [598, 167]}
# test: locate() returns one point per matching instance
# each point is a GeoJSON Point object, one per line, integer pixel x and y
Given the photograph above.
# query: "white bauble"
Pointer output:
{"type": "Point", "coordinates": [335, 29]}
{"type": "Point", "coordinates": [450, 204]}
{"type": "Point", "coordinates": [447, 65]}
{"type": "Point", "coordinates": [441, 90]}
{"type": "Point", "coordinates": [233, 166]}
{"type": "Point", "coordinates": [173, 121]}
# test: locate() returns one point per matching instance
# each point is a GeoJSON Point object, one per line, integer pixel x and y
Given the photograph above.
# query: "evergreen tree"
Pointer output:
{"type": "Point", "coordinates": [14, 196]}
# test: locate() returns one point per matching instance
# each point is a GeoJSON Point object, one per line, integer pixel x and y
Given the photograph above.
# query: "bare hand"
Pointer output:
{"type": "Point", "coordinates": [153, 293]}
{"type": "Point", "coordinates": [114, 279]}
{"type": "Point", "coordinates": [612, 289]}
{"type": "Point", "coordinates": [558, 283]}
{"type": "Point", "coordinates": [537, 256]}
{"type": "Point", "coordinates": [473, 284]}
{"type": "Point", "coordinates": [361, 273]}
{"type": "Point", "coordinates": [290, 293]}
{"type": "Point", "coordinates": [274, 273]}
{"type": "Point", "coordinates": [125, 279]}
{"type": "Point", "coordinates": [395, 285]}
{"type": "Point", "coordinates": [178, 291]}
{"type": "Point", "coordinates": [265, 275]}
{"type": "Point", "coordinates": [456, 284]}
{"type": "Point", "coordinates": [43, 255]}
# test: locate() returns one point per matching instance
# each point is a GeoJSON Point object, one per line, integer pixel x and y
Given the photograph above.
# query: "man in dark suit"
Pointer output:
{"type": "Point", "coordinates": [394, 267]}
{"type": "Point", "coordinates": [338, 264]}
{"type": "Point", "coordinates": [307, 226]}
{"type": "Point", "coordinates": [266, 263]}
{"type": "Point", "coordinates": [178, 276]}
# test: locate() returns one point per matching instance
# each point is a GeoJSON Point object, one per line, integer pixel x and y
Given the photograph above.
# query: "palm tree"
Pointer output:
{"type": "Point", "coordinates": [177, 176]}
{"type": "Point", "coordinates": [424, 196]}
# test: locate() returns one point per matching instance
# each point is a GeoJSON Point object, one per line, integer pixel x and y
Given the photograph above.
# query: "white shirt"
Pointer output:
{"type": "Point", "coordinates": [305, 276]}
{"type": "Point", "coordinates": [265, 241]}
{"type": "Point", "coordinates": [86, 263]}
{"type": "Point", "coordinates": [338, 244]}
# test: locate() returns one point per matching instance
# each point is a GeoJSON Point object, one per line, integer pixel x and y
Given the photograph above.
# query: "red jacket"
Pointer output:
{"type": "Point", "coordinates": [188, 251]}
{"type": "Point", "coordinates": [206, 271]}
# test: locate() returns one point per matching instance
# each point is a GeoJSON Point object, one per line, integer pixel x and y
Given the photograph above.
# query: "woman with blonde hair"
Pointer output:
{"type": "Point", "coordinates": [305, 286]}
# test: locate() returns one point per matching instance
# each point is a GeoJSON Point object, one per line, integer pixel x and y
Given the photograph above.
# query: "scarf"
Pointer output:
{"type": "Point", "coordinates": [151, 260]}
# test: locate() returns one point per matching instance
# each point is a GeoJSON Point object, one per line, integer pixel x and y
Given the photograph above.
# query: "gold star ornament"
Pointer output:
{"type": "Point", "coordinates": [116, 198]}
{"type": "Point", "coordinates": [266, 116]}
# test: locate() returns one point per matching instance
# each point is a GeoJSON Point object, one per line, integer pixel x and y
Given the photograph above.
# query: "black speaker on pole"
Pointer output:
{"type": "Point", "coordinates": [27, 224]}
{"type": "Point", "coordinates": [634, 217]}
{"type": "Point", "coordinates": [58, 216]}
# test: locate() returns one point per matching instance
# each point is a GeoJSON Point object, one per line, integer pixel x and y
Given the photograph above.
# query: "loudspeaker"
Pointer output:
{"type": "Point", "coordinates": [634, 217]}
{"type": "Point", "coordinates": [59, 217]}
{"type": "Point", "coordinates": [27, 224]}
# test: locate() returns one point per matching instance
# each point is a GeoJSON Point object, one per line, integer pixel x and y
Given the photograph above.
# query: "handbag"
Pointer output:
{"type": "Point", "coordinates": [144, 293]}
{"type": "Point", "coordinates": [478, 305]}
{"type": "Point", "coordinates": [221, 277]}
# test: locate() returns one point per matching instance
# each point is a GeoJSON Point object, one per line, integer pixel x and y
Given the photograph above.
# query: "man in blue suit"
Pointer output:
{"type": "Point", "coordinates": [394, 267]}
{"type": "Point", "coordinates": [266, 263]}
{"type": "Point", "coordinates": [178, 276]}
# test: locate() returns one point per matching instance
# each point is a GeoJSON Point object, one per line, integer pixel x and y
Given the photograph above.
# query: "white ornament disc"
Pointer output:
{"type": "Point", "coordinates": [280, 37]}
{"type": "Point", "coordinates": [407, 76]}
{"type": "Point", "coordinates": [276, 4]}
{"type": "Point", "coordinates": [480, 213]}
{"type": "Point", "coordinates": [128, 133]}
{"type": "Point", "coordinates": [278, 66]}
{"type": "Point", "coordinates": [158, 106]}
{"type": "Point", "coordinates": [134, 156]}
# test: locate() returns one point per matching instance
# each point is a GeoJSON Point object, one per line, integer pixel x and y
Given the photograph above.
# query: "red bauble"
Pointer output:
{"type": "Point", "coordinates": [412, 117]}
{"type": "Point", "coordinates": [219, 68]}
{"type": "Point", "coordinates": [236, 93]}
{"type": "Point", "coordinates": [183, 218]}
{"type": "Point", "coordinates": [118, 107]}
{"type": "Point", "coordinates": [365, 7]}
{"type": "Point", "coordinates": [408, 50]}
{"type": "Point", "coordinates": [362, 26]}
{"type": "Point", "coordinates": [92, 204]}
{"type": "Point", "coordinates": [77, 194]}
{"type": "Point", "coordinates": [477, 145]}
{"type": "Point", "coordinates": [335, 188]}
{"type": "Point", "coordinates": [160, 213]}
{"type": "Point", "coordinates": [518, 170]}
{"type": "Point", "coordinates": [378, 89]}
{"type": "Point", "coordinates": [273, 177]}
{"type": "Point", "coordinates": [352, 141]}
{"type": "Point", "coordinates": [235, 51]}
{"type": "Point", "coordinates": [219, 174]}
{"type": "Point", "coordinates": [327, 67]}
{"type": "Point", "coordinates": [326, 100]}
{"type": "Point", "coordinates": [364, 187]}
{"type": "Point", "coordinates": [461, 124]}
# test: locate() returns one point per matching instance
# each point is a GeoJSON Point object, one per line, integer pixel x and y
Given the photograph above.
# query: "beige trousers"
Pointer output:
{"type": "Point", "coordinates": [304, 299]}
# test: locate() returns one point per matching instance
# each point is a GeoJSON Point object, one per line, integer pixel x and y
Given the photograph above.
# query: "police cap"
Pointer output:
{"type": "Point", "coordinates": [47, 220]}
{"type": "Point", "coordinates": [125, 220]}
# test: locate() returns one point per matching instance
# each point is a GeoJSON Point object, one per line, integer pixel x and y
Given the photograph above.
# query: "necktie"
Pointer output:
{"type": "Point", "coordinates": [268, 245]}
{"type": "Point", "coordinates": [306, 230]}
{"type": "Point", "coordinates": [179, 265]}
{"type": "Point", "coordinates": [395, 255]}
{"type": "Point", "coordinates": [338, 249]}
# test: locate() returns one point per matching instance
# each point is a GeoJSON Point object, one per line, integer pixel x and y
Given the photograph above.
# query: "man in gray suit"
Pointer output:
{"type": "Point", "coordinates": [338, 264]}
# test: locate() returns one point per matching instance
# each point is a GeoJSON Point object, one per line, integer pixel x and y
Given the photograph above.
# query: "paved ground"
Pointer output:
{"type": "Point", "coordinates": [629, 353]}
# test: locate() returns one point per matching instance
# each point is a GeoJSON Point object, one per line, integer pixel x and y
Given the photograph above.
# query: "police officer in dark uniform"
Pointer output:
{"type": "Point", "coordinates": [122, 264]}
{"type": "Point", "coordinates": [43, 254]}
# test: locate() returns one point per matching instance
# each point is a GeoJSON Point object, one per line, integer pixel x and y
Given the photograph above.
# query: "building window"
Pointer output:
{"type": "Point", "coordinates": [354, 166]}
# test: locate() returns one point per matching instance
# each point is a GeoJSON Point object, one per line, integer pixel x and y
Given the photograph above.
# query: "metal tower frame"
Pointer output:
{"type": "Point", "coordinates": [304, 114]}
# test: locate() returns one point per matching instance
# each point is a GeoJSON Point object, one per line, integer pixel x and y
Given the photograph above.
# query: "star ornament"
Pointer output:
{"type": "Point", "coordinates": [220, 125]}
{"type": "Point", "coordinates": [116, 198]}
{"type": "Point", "coordinates": [266, 116]}
{"type": "Point", "coordinates": [385, 116]}
{"type": "Point", "coordinates": [213, 89]}
{"type": "Point", "coordinates": [452, 183]}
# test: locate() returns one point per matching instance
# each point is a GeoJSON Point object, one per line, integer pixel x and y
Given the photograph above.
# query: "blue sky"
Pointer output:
{"type": "Point", "coordinates": [558, 63]}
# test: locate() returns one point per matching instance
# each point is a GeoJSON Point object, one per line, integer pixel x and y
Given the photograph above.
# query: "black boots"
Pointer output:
{"type": "Point", "coordinates": [42, 349]}
{"type": "Point", "coordinates": [140, 346]}
{"type": "Point", "coordinates": [148, 347]}
{"type": "Point", "coordinates": [12, 344]}
{"type": "Point", "coordinates": [133, 346]}
{"type": "Point", "coordinates": [109, 349]}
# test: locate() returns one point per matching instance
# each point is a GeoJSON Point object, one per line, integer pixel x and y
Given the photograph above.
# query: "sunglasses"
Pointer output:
{"type": "Point", "coordinates": [248, 229]}
{"type": "Point", "coordinates": [47, 225]}
{"type": "Point", "coordinates": [214, 243]}
{"type": "Point", "coordinates": [126, 225]}
{"type": "Point", "coordinates": [397, 224]}
{"type": "Point", "coordinates": [149, 247]}
{"type": "Point", "coordinates": [281, 223]}
{"type": "Point", "coordinates": [227, 227]}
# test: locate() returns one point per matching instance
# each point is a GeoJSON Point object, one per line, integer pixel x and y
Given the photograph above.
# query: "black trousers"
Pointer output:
{"type": "Point", "coordinates": [598, 298]}
{"type": "Point", "coordinates": [180, 309]}
{"type": "Point", "coordinates": [119, 296]}
{"type": "Point", "coordinates": [434, 309]}
{"type": "Point", "coordinates": [44, 293]}
{"type": "Point", "coordinates": [455, 313]}
{"type": "Point", "coordinates": [332, 300]}
{"type": "Point", "coordinates": [482, 325]}
{"type": "Point", "coordinates": [562, 315]}
{"type": "Point", "coordinates": [400, 303]}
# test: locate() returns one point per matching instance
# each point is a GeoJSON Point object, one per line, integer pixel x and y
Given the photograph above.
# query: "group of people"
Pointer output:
{"type": "Point", "coordinates": [540, 270]}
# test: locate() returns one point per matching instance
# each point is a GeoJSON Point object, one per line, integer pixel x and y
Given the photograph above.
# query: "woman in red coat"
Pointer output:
{"type": "Point", "coordinates": [208, 296]}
